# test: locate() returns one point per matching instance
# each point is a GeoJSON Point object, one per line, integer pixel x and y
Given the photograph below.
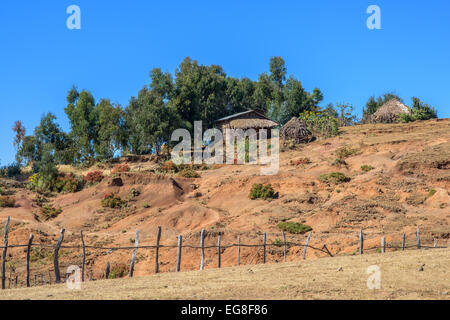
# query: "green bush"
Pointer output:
{"type": "Point", "coordinates": [366, 168]}
{"type": "Point", "coordinates": [294, 227]}
{"type": "Point", "coordinates": [110, 200]}
{"type": "Point", "coordinates": [334, 177]}
{"type": "Point", "coordinates": [10, 171]}
{"type": "Point", "coordinates": [50, 212]}
{"type": "Point", "coordinates": [260, 191]}
{"type": "Point", "coordinates": [431, 192]}
{"type": "Point", "coordinates": [345, 152]}
{"type": "Point", "coordinates": [118, 270]}
{"type": "Point", "coordinates": [320, 123]}
{"type": "Point", "coordinates": [7, 202]}
{"type": "Point", "coordinates": [419, 111]}
{"type": "Point", "coordinates": [188, 173]}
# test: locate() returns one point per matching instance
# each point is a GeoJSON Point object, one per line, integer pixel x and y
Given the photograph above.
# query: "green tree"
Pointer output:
{"type": "Point", "coordinates": [82, 114]}
{"type": "Point", "coordinates": [111, 133]}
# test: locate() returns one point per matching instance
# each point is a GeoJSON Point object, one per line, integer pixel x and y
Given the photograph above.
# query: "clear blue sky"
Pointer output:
{"type": "Point", "coordinates": [325, 43]}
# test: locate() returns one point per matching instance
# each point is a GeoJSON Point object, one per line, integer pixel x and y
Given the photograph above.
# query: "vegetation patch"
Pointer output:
{"type": "Point", "coordinates": [7, 202]}
{"type": "Point", "coordinates": [118, 270]}
{"type": "Point", "coordinates": [110, 200]}
{"type": "Point", "coordinates": [334, 177]}
{"type": "Point", "coordinates": [260, 191]}
{"type": "Point", "coordinates": [431, 192]}
{"type": "Point", "coordinates": [300, 161]}
{"type": "Point", "coordinates": [120, 168]}
{"type": "Point", "coordinates": [50, 212]}
{"type": "Point", "coordinates": [294, 227]}
{"type": "Point", "coordinates": [320, 123]}
{"type": "Point", "coordinates": [93, 177]}
{"type": "Point", "coordinates": [188, 173]}
{"type": "Point", "coordinates": [345, 152]}
{"type": "Point", "coordinates": [366, 168]}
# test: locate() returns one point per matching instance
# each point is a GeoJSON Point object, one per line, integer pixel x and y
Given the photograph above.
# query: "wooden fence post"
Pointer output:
{"type": "Point", "coordinates": [383, 245]}
{"type": "Point", "coordinates": [403, 242]}
{"type": "Point", "coordinates": [306, 245]}
{"type": "Point", "coordinates": [5, 248]}
{"type": "Point", "coordinates": [434, 243]}
{"type": "Point", "coordinates": [30, 241]}
{"type": "Point", "coordinates": [418, 237]}
{"type": "Point", "coordinates": [83, 262]}
{"type": "Point", "coordinates": [264, 248]}
{"type": "Point", "coordinates": [133, 256]}
{"type": "Point", "coordinates": [107, 270]}
{"type": "Point", "coordinates": [361, 242]}
{"type": "Point", "coordinates": [239, 251]}
{"type": "Point", "coordinates": [218, 252]}
{"type": "Point", "coordinates": [35, 280]}
{"type": "Point", "coordinates": [55, 256]}
{"type": "Point", "coordinates": [158, 238]}
{"type": "Point", "coordinates": [202, 244]}
{"type": "Point", "coordinates": [285, 245]}
{"type": "Point", "coordinates": [180, 243]}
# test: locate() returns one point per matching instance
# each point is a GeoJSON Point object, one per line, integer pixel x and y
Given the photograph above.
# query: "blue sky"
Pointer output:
{"type": "Point", "coordinates": [325, 44]}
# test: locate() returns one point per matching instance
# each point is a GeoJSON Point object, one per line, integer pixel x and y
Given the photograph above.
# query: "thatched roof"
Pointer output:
{"type": "Point", "coordinates": [252, 123]}
{"type": "Point", "coordinates": [295, 130]}
{"type": "Point", "coordinates": [390, 111]}
{"type": "Point", "coordinates": [248, 119]}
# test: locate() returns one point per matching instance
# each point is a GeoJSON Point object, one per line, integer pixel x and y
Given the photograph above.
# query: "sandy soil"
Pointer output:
{"type": "Point", "coordinates": [325, 278]}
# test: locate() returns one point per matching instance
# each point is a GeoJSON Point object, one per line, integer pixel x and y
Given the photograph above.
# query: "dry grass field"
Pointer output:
{"type": "Point", "coordinates": [324, 278]}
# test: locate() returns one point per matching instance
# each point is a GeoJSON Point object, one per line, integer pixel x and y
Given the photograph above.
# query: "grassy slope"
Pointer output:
{"type": "Point", "coordinates": [325, 278]}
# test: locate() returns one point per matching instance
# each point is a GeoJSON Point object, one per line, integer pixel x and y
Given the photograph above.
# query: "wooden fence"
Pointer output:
{"type": "Point", "coordinates": [285, 244]}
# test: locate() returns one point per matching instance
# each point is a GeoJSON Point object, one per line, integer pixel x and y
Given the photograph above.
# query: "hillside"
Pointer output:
{"type": "Point", "coordinates": [408, 186]}
{"type": "Point", "coordinates": [325, 278]}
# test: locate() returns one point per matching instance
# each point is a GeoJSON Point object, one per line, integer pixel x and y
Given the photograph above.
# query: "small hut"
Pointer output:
{"type": "Point", "coordinates": [295, 130]}
{"type": "Point", "coordinates": [390, 112]}
{"type": "Point", "coordinates": [251, 119]}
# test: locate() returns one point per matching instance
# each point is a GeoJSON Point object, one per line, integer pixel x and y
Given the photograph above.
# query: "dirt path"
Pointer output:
{"type": "Point", "coordinates": [325, 278]}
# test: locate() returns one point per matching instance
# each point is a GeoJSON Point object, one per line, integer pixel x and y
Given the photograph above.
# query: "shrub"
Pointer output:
{"type": "Point", "coordinates": [133, 193]}
{"type": "Point", "coordinates": [431, 192]}
{"type": "Point", "coordinates": [294, 227]}
{"type": "Point", "coordinates": [260, 191]}
{"type": "Point", "coordinates": [50, 212]}
{"type": "Point", "coordinates": [120, 168]}
{"type": "Point", "coordinates": [366, 168]}
{"type": "Point", "coordinates": [300, 161]}
{"type": "Point", "coordinates": [334, 177]}
{"type": "Point", "coordinates": [419, 111]}
{"type": "Point", "coordinates": [345, 152]}
{"type": "Point", "coordinates": [7, 202]}
{"type": "Point", "coordinates": [169, 167]}
{"type": "Point", "coordinates": [320, 123]}
{"type": "Point", "coordinates": [10, 171]}
{"type": "Point", "coordinates": [110, 200]}
{"type": "Point", "coordinates": [67, 183]}
{"type": "Point", "coordinates": [188, 173]}
{"type": "Point", "coordinates": [339, 162]}
{"type": "Point", "coordinates": [118, 270]}
{"type": "Point", "coordinates": [93, 177]}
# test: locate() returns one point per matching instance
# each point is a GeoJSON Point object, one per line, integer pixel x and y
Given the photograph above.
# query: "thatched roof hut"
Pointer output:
{"type": "Point", "coordinates": [296, 131]}
{"type": "Point", "coordinates": [390, 112]}
{"type": "Point", "coordinates": [251, 119]}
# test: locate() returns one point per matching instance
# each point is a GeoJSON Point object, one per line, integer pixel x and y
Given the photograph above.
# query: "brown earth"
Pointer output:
{"type": "Point", "coordinates": [408, 187]}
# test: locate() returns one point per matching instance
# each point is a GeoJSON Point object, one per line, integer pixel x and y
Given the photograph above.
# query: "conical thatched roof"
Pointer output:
{"type": "Point", "coordinates": [390, 111]}
{"type": "Point", "coordinates": [295, 130]}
